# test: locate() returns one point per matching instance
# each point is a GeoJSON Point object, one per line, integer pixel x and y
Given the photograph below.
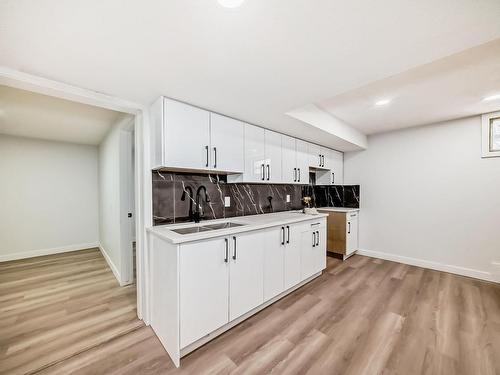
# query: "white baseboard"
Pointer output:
{"type": "Point", "coordinates": [51, 251]}
{"type": "Point", "coordinates": [462, 271]}
{"type": "Point", "coordinates": [111, 265]}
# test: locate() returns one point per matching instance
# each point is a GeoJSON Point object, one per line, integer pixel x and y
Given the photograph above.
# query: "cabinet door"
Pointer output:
{"type": "Point", "coordinates": [313, 250]}
{"type": "Point", "coordinates": [254, 154]}
{"type": "Point", "coordinates": [292, 254]}
{"type": "Point", "coordinates": [274, 257]}
{"type": "Point", "coordinates": [289, 154]}
{"type": "Point", "coordinates": [351, 232]}
{"type": "Point", "coordinates": [302, 162]}
{"type": "Point", "coordinates": [187, 136]}
{"type": "Point", "coordinates": [227, 144]}
{"type": "Point", "coordinates": [204, 289]}
{"type": "Point", "coordinates": [273, 156]}
{"type": "Point", "coordinates": [325, 157]}
{"type": "Point", "coordinates": [336, 162]}
{"type": "Point", "coordinates": [314, 155]}
{"type": "Point", "coordinates": [319, 250]}
{"type": "Point", "coordinates": [246, 285]}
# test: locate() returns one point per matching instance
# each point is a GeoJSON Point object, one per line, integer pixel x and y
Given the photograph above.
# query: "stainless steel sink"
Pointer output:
{"type": "Point", "coordinates": [223, 225]}
{"type": "Point", "coordinates": [205, 228]}
{"type": "Point", "coordinates": [191, 230]}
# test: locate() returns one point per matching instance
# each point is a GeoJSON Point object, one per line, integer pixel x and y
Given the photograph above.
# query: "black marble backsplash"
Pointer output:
{"type": "Point", "coordinates": [246, 199]}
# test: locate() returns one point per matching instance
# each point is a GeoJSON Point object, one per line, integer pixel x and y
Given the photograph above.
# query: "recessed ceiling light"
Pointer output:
{"type": "Point", "coordinates": [491, 97]}
{"type": "Point", "coordinates": [382, 102]}
{"type": "Point", "coordinates": [231, 3]}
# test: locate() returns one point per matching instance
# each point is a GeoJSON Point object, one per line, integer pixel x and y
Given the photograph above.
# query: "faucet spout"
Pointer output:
{"type": "Point", "coordinates": [198, 213]}
{"type": "Point", "coordinates": [190, 196]}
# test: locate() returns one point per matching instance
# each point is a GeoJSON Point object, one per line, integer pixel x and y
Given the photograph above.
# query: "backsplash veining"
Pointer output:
{"type": "Point", "coordinates": [246, 199]}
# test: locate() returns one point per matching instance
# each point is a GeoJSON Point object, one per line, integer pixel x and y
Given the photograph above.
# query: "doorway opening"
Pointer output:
{"type": "Point", "coordinates": [67, 224]}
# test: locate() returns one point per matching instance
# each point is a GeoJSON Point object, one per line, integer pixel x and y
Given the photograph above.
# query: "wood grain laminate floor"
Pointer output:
{"type": "Point", "coordinates": [363, 316]}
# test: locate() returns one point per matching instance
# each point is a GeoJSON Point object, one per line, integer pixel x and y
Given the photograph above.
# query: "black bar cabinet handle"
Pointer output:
{"type": "Point", "coordinates": [317, 238]}
{"type": "Point", "coordinates": [227, 250]}
{"type": "Point", "coordinates": [282, 235]}
{"type": "Point", "coordinates": [288, 234]}
{"type": "Point", "coordinates": [349, 231]}
{"type": "Point", "coordinates": [234, 252]}
{"type": "Point", "coordinates": [314, 239]}
{"type": "Point", "coordinates": [215, 157]}
{"type": "Point", "coordinates": [268, 172]}
{"type": "Point", "coordinates": [262, 169]}
{"type": "Point", "coordinates": [299, 173]}
{"type": "Point", "coordinates": [206, 149]}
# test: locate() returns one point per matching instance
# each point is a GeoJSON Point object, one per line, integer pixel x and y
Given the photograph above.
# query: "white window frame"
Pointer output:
{"type": "Point", "coordinates": [486, 134]}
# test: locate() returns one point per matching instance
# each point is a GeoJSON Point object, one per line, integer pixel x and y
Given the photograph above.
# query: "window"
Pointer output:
{"type": "Point", "coordinates": [491, 134]}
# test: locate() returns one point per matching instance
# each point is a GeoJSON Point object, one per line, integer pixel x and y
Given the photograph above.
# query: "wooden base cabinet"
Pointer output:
{"type": "Point", "coordinates": [201, 288]}
{"type": "Point", "coordinates": [343, 233]}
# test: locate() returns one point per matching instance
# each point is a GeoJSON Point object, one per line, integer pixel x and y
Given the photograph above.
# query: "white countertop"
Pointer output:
{"type": "Point", "coordinates": [337, 209]}
{"type": "Point", "coordinates": [252, 222]}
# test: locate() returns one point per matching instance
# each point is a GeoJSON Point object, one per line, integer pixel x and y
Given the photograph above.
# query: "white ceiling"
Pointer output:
{"type": "Point", "coordinates": [27, 114]}
{"type": "Point", "coordinates": [256, 62]}
{"type": "Point", "coordinates": [442, 90]}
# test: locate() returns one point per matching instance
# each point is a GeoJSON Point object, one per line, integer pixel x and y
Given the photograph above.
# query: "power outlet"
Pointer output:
{"type": "Point", "coordinates": [288, 198]}
{"type": "Point", "coordinates": [227, 201]}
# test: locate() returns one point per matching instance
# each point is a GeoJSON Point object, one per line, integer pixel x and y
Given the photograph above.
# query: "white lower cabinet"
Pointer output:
{"type": "Point", "coordinates": [202, 288]}
{"type": "Point", "coordinates": [221, 279]}
{"type": "Point", "coordinates": [204, 292]}
{"type": "Point", "coordinates": [292, 242]}
{"type": "Point", "coordinates": [246, 273]}
{"type": "Point", "coordinates": [313, 250]}
{"type": "Point", "coordinates": [352, 236]}
{"type": "Point", "coordinates": [274, 255]}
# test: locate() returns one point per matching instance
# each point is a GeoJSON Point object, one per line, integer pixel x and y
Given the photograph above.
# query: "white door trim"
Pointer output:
{"type": "Point", "coordinates": [143, 193]}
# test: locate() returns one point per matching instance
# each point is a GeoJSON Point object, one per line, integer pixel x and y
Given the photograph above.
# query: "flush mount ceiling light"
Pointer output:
{"type": "Point", "coordinates": [382, 102]}
{"type": "Point", "coordinates": [230, 3]}
{"type": "Point", "coordinates": [491, 97]}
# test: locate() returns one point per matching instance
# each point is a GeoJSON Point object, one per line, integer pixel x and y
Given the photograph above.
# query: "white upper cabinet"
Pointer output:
{"type": "Point", "coordinates": [295, 161]}
{"type": "Point", "coordinates": [289, 155]}
{"type": "Point", "coordinates": [255, 162]}
{"type": "Point", "coordinates": [302, 162]}
{"type": "Point", "coordinates": [335, 174]}
{"type": "Point", "coordinates": [226, 144]}
{"type": "Point", "coordinates": [263, 156]}
{"type": "Point", "coordinates": [315, 159]}
{"type": "Point", "coordinates": [186, 136]}
{"type": "Point", "coordinates": [319, 157]}
{"type": "Point", "coordinates": [336, 162]}
{"type": "Point", "coordinates": [273, 156]}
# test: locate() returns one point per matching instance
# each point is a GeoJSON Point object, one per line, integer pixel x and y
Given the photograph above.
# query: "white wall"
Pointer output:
{"type": "Point", "coordinates": [428, 198]}
{"type": "Point", "coordinates": [48, 197]}
{"type": "Point", "coordinates": [114, 200]}
{"type": "Point", "coordinates": [109, 199]}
